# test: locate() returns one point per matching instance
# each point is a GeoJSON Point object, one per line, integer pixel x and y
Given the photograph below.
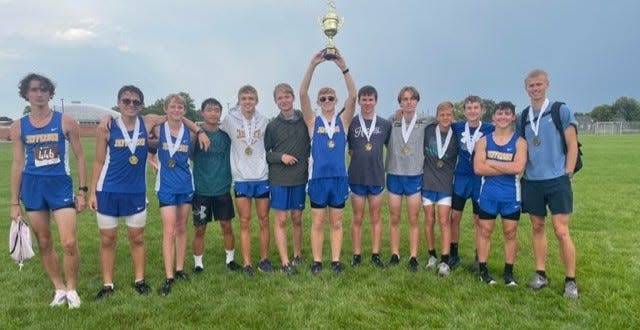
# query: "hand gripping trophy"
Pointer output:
{"type": "Point", "coordinates": [330, 23]}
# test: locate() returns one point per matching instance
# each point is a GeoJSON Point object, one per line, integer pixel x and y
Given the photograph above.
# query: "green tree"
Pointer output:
{"type": "Point", "coordinates": [190, 108]}
{"type": "Point", "coordinates": [627, 108]}
{"type": "Point", "coordinates": [26, 110]}
{"type": "Point", "coordinates": [156, 107]}
{"type": "Point", "coordinates": [603, 112]}
{"type": "Point", "coordinates": [487, 106]}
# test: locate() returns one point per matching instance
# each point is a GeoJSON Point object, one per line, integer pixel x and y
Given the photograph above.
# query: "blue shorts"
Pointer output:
{"type": "Point", "coordinates": [554, 193]}
{"type": "Point", "coordinates": [169, 199]}
{"type": "Point", "coordinates": [404, 184]}
{"type": "Point", "coordinates": [431, 197]}
{"type": "Point", "coordinates": [467, 186]}
{"type": "Point", "coordinates": [44, 192]}
{"type": "Point", "coordinates": [120, 204]}
{"type": "Point", "coordinates": [325, 192]}
{"type": "Point", "coordinates": [489, 209]}
{"type": "Point", "coordinates": [287, 197]}
{"type": "Point", "coordinates": [364, 190]}
{"type": "Point", "coordinates": [252, 189]}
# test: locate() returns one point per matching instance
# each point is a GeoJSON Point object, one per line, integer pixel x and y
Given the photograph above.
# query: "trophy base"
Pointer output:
{"type": "Point", "coordinates": [329, 54]}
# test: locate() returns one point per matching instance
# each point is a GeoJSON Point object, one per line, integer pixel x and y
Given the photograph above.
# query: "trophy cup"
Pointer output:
{"type": "Point", "coordinates": [330, 23]}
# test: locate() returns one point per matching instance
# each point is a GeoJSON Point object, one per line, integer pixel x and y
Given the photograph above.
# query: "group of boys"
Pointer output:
{"type": "Point", "coordinates": [276, 163]}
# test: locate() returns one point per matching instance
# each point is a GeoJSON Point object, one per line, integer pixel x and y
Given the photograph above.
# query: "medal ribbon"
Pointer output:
{"type": "Point", "coordinates": [472, 139]}
{"type": "Point", "coordinates": [442, 148]}
{"type": "Point", "coordinates": [330, 128]}
{"type": "Point", "coordinates": [131, 142]}
{"type": "Point", "coordinates": [249, 126]}
{"type": "Point", "coordinates": [535, 125]}
{"type": "Point", "coordinates": [167, 135]}
{"type": "Point", "coordinates": [367, 132]}
{"type": "Point", "coordinates": [406, 131]}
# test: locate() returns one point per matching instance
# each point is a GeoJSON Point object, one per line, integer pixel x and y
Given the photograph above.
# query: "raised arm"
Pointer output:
{"type": "Point", "coordinates": [350, 102]}
{"type": "Point", "coordinates": [305, 101]}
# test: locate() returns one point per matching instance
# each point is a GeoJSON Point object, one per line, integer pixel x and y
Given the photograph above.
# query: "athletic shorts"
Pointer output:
{"type": "Point", "coordinates": [252, 189]}
{"type": "Point", "coordinates": [430, 197]}
{"type": "Point", "coordinates": [206, 208]}
{"type": "Point", "coordinates": [490, 208]}
{"type": "Point", "coordinates": [555, 193]}
{"type": "Point", "coordinates": [168, 199]}
{"type": "Point", "coordinates": [332, 192]}
{"type": "Point", "coordinates": [364, 190]}
{"type": "Point", "coordinates": [287, 197]}
{"type": "Point", "coordinates": [137, 220]}
{"type": "Point", "coordinates": [467, 186]}
{"type": "Point", "coordinates": [120, 204]}
{"type": "Point", "coordinates": [46, 192]}
{"type": "Point", "coordinates": [404, 184]}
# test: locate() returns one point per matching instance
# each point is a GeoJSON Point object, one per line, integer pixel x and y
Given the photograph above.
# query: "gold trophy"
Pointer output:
{"type": "Point", "coordinates": [330, 23]}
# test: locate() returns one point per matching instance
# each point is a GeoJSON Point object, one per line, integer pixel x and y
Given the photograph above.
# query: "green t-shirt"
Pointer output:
{"type": "Point", "coordinates": [211, 168]}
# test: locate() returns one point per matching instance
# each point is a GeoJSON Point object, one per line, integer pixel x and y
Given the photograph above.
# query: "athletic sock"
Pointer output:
{"type": "Point", "coordinates": [482, 266]}
{"type": "Point", "coordinates": [508, 268]}
{"type": "Point", "coordinates": [433, 253]}
{"type": "Point", "coordinates": [197, 260]}
{"type": "Point", "coordinates": [230, 256]}
{"type": "Point", "coordinates": [445, 258]}
{"type": "Point", "coordinates": [569, 279]}
{"type": "Point", "coordinates": [454, 249]}
{"type": "Point", "coordinates": [542, 273]}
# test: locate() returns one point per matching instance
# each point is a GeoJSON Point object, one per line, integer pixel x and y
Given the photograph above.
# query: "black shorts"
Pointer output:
{"type": "Point", "coordinates": [457, 203]}
{"type": "Point", "coordinates": [555, 193]}
{"type": "Point", "coordinates": [205, 208]}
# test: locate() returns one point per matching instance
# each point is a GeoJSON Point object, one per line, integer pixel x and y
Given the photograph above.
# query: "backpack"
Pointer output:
{"type": "Point", "coordinates": [555, 116]}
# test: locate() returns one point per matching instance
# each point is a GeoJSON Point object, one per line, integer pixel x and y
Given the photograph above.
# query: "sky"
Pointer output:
{"type": "Point", "coordinates": [446, 49]}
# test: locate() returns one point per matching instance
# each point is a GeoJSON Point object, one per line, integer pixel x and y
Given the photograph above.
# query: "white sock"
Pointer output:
{"type": "Point", "coordinates": [109, 284]}
{"type": "Point", "coordinates": [230, 254]}
{"type": "Point", "coordinates": [197, 260]}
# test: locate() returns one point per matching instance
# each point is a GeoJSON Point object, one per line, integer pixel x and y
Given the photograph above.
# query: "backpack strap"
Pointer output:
{"type": "Point", "coordinates": [523, 121]}
{"type": "Point", "coordinates": [555, 116]}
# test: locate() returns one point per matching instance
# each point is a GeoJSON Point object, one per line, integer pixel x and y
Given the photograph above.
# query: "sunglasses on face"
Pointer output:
{"type": "Point", "coordinates": [326, 99]}
{"type": "Point", "coordinates": [136, 103]}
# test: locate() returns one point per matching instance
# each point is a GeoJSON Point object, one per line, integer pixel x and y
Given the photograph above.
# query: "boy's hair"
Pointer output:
{"type": "Point", "coordinates": [283, 88]}
{"type": "Point", "coordinates": [368, 90]}
{"type": "Point", "coordinates": [247, 89]}
{"type": "Point", "coordinates": [172, 97]}
{"type": "Point", "coordinates": [131, 89]}
{"type": "Point", "coordinates": [472, 99]}
{"type": "Point", "coordinates": [210, 101]}
{"type": "Point", "coordinates": [326, 90]}
{"type": "Point", "coordinates": [414, 93]}
{"type": "Point", "coordinates": [505, 105]}
{"type": "Point", "coordinates": [536, 73]}
{"type": "Point", "coordinates": [23, 86]}
{"type": "Point", "coordinates": [444, 105]}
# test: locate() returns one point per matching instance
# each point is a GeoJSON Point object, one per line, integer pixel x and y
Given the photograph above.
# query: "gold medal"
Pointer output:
{"type": "Point", "coordinates": [405, 149]}
{"type": "Point", "coordinates": [536, 141]}
{"type": "Point", "coordinates": [133, 160]}
{"type": "Point", "coordinates": [368, 146]}
{"type": "Point", "coordinates": [440, 163]}
{"type": "Point", "coordinates": [248, 151]}
{"type": "Point", "coordinates": [171, 162]}
{"type": "Point", "coordinates": [331, 144]}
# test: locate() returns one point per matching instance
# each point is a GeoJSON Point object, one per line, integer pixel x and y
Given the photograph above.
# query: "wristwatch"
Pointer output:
{"type": "Point", "coordinates": [84, 189]}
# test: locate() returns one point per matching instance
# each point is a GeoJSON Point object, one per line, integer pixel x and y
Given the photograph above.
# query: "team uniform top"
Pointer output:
{"type": "Point", "coordinates": [436, 178]}
{"type": "Point", "coordinates": [503, 187]}
{"type": "Point", "coordinates": [367, 166]}
{"type": "Point", "coordinates": [45, 147]}
{"type": "Point", "coordinates": [546, 161]}
{"type": "Point", "coordinates": [176, 179]}
{"type": "Point", "coordinates": [407, 163]}
{"type": "Point", "coordinates": [211, 167]}
{"type": "Point", "coordinates": [118, 175]}
{"type": "Point", "coordinates": [463, 167]}
{"type": "Point", "coordinates": [287, 136]}
{"type": "Point", "coordinates": [246, 165]}
{"type": "Point", "coordinates": [327, 162]}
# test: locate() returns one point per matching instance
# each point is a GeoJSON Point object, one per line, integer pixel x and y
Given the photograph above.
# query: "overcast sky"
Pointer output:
{"type": "Point", "coordinates": [209, 48]}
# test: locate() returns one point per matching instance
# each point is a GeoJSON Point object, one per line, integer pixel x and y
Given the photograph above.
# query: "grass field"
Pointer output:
{"type": "Point", "coordinates": [603, 227]}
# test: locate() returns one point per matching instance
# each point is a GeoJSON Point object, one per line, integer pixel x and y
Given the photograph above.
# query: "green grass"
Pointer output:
{"type": "Point", "coordinates": [603, 228]}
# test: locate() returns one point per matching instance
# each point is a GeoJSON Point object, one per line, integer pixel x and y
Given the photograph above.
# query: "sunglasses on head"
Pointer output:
{"type": "Point", "coordinates": [136, 103]}
{"type": "Point", "coordinates": [326, 98]}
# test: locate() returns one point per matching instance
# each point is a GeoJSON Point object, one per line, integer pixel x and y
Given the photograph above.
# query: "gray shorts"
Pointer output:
{"type": "Point", "coordinates": [554, 193]}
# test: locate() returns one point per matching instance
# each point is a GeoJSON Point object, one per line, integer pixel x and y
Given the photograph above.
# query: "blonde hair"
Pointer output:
{"type": "Point", "coordinates": [173, 97]}
{"type": "Point", "coordinates": [326, 90]}
{"type": "Point", "coordinates": [444, 105]}
{"type": "Point", "coordinates": [283, 88]}
{"type": "Point", "coordinates": [248, 89]}
{"type": "Point", "coordinates": [536, 73]}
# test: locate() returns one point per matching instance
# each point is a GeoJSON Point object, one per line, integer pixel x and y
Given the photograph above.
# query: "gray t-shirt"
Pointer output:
{"type": "Point", "coordinates": [438, 178]}
{"type": "Point", "coordinates": [407, 158]}
{"type": "Point", "coordinates": [367, 166]}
